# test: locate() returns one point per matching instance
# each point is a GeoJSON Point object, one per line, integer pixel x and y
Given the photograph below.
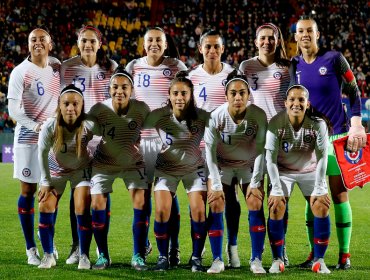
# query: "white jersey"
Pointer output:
{"type": "Point", "coordinates": [63, 162]}
{"type": "Point", "coordinates": [238, 145]}
{"type": "Point", "coordinates": [152, 82]}
{"type": "Point", "coordinates": [180, 152]}
{"type": "Point", "coordinates": [119, 146]}
{"type": "Point", "coordinates": [92, 81]}
{"type": "Point", "coordinates": [38, 89]}
{"type": "Point", "coordinates": [296, 149]}
{"type": "Point", "coordinates": [268, 85]}
{"type": "Point", "coordinates": [209, 90]}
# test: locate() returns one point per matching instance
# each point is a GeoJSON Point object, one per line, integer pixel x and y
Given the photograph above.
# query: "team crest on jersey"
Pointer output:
{"type": "Point", "coordinates": [323, 70]}
{"type": "Point", "coordinates": [307, 138]}
{"type": "Point", "coordinates": [277, 75]}
{"type": "Point", "coordinates": [167, 72]}
{"type": "Point", "coordinates": [194, 129]}
{"type": "Point", "coordinates": [100, 76]}
{"type": "Point", "coordinates": [26, 172]}
{"type": "Point", "coordinates": [251, 130]}
{"type": "Point", "coordinates": [353, 157]}
{"type": "Point", "coordinates": [132, 125]}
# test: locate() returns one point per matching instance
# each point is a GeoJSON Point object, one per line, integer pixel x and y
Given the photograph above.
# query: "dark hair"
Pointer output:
{"type": "Point", "coordinates": [311, 112]}
{"type": "Point", "coordinates": [101, 57]}
{"type": "Point", "coordinates": [206, 33]}
{"type": "Point", "coordinates": [171, 50]}
{"type": "Point", "coordinates": [191, 112]}
{"type": "Point", "coordinates": [236, 75]}
{"type": "Point", "coordinates": [280, 56]}
{"type": "Point", "coordinates": [306, 17]}
{"type": "Point", "coordinates": [58, 132]}
{"type": "Point", "coordinates": [46, 29]}
{"type": "Point", "coordinates": [120, 71]}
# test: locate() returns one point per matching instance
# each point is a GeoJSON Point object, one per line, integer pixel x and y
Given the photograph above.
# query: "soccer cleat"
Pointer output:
{"type": "Point", "coordinates": [256, 267]}
{"type": "Point", "coordinates": [138, 263]}
{"type": "Point", "coordinates": [33, 256]}
{"type": "Point", "coordinates": [285, 257]}
{"type": "Point", "coordinates": [98, 255]}
{"type": "Point", "coordinates": [47, 261]}
{"type": "Point", "coordinates": [74, 255]}
{"type": "Point", "coordinates": [319, 266]}
{"type": "Point", "coordinates": [232, 256]}
{"type": "Point", "coordinates": [148, 250]}
{"type": "Point", "coordinates": [307, 263]}
{"type": "Point", "coordinates": [344, 261]}
{"type": "Point", "coordinates": [217, 266]}
{"type": "Point", "coordinates": [101, 263]}
{"type": "Point", "coordinates": [277, 266]}
{"type": "Point", "coordinates": [84, 262]}
{"type": "Point", "coordinates": [162, 264]}
{"type": "Point", "coordinates": [174, 258]}
{"type": "Point", "coordinates": [196, 265]}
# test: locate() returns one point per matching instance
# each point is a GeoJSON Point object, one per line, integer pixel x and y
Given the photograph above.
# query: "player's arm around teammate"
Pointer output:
{"type": "Point", "coordinates": [118, 156]}
{"type": "Point", "coordinates": [296, 152]}
{"type": "Point", "coordinates": [34, 87]}
{"type": "Point", "coordinates": [235, 145]}
{"type": "Point", "coordinates": [63, 157]}
{"type": "Point", "coordinates": [181, 127]}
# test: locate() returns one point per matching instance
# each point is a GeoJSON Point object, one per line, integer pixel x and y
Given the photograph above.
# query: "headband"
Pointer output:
{"type": "Point", "coordinates": [268, 25]}
{"type": "Point", "coordinates": [89, 27]}
{"type": "Point", "coordinates": [121, 74]}
{"type": "Point", "coordinates": [71, 90]}
{"type": "Point", "coordinates": [236, 79]}
{"type": "Point", "coordinates": [297, 86]}
{"type": "Point", "coordinates": [39, 28]}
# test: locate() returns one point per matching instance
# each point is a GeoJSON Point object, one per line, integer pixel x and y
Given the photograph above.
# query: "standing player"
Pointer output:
{"type": "Point", "coordinates": [34, 87]}
{"type": "Point", "coordinates": [268, 75]}
{"type": "Point", "coordinates": [296, 153]}
{"type": "Point", "coordinates": [324, 74]}
{"type": "Point", "coordinates": [181, 127]}
{"type": "Point", "coordinates": [235, 144]}
{"type": "Point", "coordinates": [90, 71]}
{"type": "Point", "coordinates": [209, 79]}
{"type": "Point", "coordinates": [118, 156]}
{"type": "Point", "coordinates": [152, 76]}
{"type": "Point", "coordinates": [63, 156]}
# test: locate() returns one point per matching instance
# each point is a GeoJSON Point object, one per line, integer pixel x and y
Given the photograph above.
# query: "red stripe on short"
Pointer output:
{"type": "Point", "coordinates": [215, 233]}
{"type": "Point", "coordinates": [161, 236]}
{"type": "Point", "coordinates": [25, 212]}
{"type": "Point", "coordinates": [277, 242]}
{"type": "Point", "coordinates": [98, 226]}
{"type": "Point", "coordinates": [83, 228]}
{"type": "Point", "coordinates": [45, 225]}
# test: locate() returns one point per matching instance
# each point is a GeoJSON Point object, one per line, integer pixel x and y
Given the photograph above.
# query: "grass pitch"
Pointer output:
{"type": "Point", "coordinates": [13, 262]}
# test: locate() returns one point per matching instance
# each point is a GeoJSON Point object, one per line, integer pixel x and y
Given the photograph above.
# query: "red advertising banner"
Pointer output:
{"type": "Point", "coordinates": [354, 167]}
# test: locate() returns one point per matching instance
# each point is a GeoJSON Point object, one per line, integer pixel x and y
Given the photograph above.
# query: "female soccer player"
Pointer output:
{"type": "Point", "coordinates": [34, 88]}
{"type": "Point", "coordinates": [181, 126]}
{"type": "Point", "coordinates": [90, 71]}
{"type": "Point", "coordinates": [268, 75]}
{"type": "Point", "coordinates": [152, 76]}
{"type": "Point", "coordinates": [117, 156]}
{"type": "Point", "coordinates": [209, 92]}
{"type": "Point", "coordinates": [324, 74]}
{"type": "Point", "coordinates": [235, 143]}
{"type": "Point", "coordinates": [63, 157]}
{"type": "Point", "coordinates": [296, 153]}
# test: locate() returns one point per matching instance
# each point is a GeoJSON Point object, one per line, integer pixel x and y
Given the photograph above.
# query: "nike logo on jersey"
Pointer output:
{"type": "Point", "coordinates": [202, 84]}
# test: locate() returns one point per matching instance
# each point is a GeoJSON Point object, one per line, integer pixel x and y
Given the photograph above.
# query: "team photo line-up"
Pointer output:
{"type": "Point", "coordinates": [215, 128]}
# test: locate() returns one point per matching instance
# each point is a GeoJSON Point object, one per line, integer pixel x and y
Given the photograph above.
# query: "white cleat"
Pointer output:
{"type": "Point", "coordinates": [256, 266]}
{"type": "Point", "coordinates": [277, 266]}
{"type": "Point", "coordinates": [217, 266]}
{"type": "Point", "coordinates": [319, 266]}
{"type": "Point", "coordinates": [84, 262]}
{"type": "Point", "coordinates": [33, 256]}
{"type": "Point", "coordinates": [48, 261]}
{"type": "Point", "coordinates": [74, 255]}
{"type": "Point", "coordinates": [232, 256]}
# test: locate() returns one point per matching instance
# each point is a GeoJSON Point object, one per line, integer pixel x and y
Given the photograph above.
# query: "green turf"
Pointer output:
{"type": "Point", "coordinates": [13, 259]}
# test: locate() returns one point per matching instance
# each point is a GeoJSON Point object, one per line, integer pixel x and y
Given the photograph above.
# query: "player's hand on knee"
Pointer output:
{"type": "Point", "coordinates": [323, 200]}
{"type": "Point", "coordinates": [275, 203]}
{"type": "Point", "coordinates": [215, 195]}
{"type": "Point", "coordinates": [256, 192]}
{"type": "Point", "coordinates": [45, 193]}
